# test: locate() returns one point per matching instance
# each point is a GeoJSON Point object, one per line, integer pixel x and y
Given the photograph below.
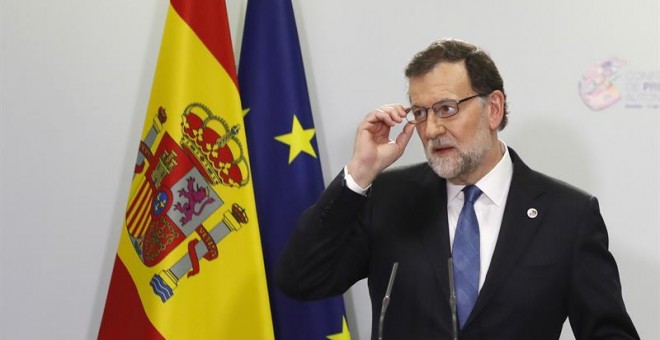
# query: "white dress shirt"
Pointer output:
{"type": "Point", "coordinates": [489, 208]}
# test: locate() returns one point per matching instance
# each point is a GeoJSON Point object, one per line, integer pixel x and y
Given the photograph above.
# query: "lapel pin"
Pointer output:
{"type": "Point", "coordinates": [532, 213]}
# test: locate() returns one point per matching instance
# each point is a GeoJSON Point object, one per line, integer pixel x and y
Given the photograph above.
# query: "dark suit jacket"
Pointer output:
{"type": "Point", "coordinates": [543, 269]}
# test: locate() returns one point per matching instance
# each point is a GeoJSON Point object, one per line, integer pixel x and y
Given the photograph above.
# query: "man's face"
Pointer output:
{"type": "Point", "coordinates": [460, 148]}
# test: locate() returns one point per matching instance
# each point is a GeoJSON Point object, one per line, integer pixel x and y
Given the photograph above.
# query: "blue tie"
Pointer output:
{"type": "Point", "coordinates": [465, 255]}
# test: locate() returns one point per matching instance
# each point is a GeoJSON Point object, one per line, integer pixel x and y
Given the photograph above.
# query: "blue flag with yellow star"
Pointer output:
{"type": "Point", "coordinates": [284, 155]}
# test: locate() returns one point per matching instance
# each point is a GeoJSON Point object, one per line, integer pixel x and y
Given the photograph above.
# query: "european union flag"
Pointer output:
{"type": "Point", "coordinates": [284, 156]}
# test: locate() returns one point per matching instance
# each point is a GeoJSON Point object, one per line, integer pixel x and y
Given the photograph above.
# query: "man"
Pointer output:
{"type": "Point", "coordinates": [517, 251]}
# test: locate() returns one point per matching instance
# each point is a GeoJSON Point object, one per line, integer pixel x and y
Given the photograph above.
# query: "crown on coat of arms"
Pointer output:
{"type": "Point", "coordinates": [214, 145]}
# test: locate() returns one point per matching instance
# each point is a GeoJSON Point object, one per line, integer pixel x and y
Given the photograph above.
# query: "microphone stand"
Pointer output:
{"type": "Point", "coordinates": [452, 299]}
{"type": "Point", "coordinates": [386, 300]}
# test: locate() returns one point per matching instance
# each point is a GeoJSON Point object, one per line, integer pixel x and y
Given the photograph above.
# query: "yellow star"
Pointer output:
{"type": "Point", "coordinates": [344, 335]}
{"type": "Point", "coordinates": [299, 140]}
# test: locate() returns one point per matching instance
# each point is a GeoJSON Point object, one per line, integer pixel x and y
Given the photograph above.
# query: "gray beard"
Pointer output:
{"type": "Point", "coordinates": [468, 159]}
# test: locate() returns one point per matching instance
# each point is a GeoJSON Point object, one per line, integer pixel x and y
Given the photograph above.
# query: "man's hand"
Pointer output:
{"type": "Point", "coordinates": [373, 150]}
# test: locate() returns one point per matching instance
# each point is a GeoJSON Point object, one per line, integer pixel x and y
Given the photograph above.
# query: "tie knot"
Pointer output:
{"type": "Point", "coordinates": [472, 193]}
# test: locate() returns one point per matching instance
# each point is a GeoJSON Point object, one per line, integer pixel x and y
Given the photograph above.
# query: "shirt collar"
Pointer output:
{"type": "Point", "coordinates": [495, 184]}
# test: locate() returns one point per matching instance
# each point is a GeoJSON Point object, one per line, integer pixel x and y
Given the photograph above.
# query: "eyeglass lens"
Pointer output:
{"type": "Point", "coordinates": [442, 109]}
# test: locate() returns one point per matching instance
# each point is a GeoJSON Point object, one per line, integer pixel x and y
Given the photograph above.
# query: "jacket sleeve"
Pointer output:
{"type": "Point", "coordinates": [328, 250]}
{"type": "Point", "coordinates": [595, 305]}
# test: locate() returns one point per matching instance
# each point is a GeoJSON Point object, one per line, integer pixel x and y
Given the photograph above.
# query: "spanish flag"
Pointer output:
{"type": "Point", "coordinates": [189, 263]}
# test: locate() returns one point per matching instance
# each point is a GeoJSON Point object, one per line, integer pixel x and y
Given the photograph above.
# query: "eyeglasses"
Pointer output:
{"type": "Point", "coordinates": [442, 109]}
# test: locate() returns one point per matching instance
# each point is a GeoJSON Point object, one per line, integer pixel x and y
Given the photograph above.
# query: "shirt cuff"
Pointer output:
{"type": "Point", "coordinates": [350, 183]}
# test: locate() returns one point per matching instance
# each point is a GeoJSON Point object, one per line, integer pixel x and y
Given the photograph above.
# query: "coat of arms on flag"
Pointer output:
{"type": "Point", "coordinates": [176, 193]}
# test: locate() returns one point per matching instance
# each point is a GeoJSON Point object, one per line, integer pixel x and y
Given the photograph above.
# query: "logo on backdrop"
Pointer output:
{"type": "Point", "coordinates": [611, 81]}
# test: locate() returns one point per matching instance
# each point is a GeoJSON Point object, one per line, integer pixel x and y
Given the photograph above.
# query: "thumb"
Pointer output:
{"type": "Point", "coordinates": [404, 137]}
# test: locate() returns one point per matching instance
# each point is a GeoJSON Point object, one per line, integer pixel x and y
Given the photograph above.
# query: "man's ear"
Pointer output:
{"type": "Point", "coordinates": [496, 106]}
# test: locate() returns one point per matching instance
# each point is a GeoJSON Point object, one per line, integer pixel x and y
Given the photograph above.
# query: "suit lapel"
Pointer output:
{"type": "Point", "coordinates": [434, 236]}
{"type": "Point", "coordinates": [516, 231]}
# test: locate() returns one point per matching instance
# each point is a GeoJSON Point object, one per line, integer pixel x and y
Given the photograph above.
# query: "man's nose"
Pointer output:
{"type": "Point", "coordinates": [434, 126]}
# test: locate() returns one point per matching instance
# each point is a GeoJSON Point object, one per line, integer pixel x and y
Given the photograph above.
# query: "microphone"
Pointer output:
{"type": "Point", "coordinates": [452, 300]}
{"type": "Point", "coordinates": [386, 300]}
